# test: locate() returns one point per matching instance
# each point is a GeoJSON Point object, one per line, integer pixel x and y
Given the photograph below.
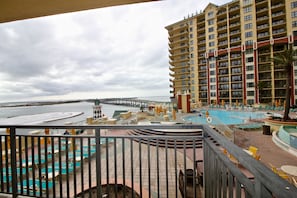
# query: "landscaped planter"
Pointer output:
{"type": "Point", "coordinates": [275, 124]}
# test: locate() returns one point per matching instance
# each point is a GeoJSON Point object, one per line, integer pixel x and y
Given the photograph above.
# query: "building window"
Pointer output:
{"type": "Point", "coordinates": [294, 23]}
{"type": "Point", "coordinates": [192, 62]}
{"type": "Point", "coordinates": [249, 51]}
{"type": "Point", "coordinates": [294, 14]}
{"type": "Point", "coordinates": [211, 44]}
{"type": "Point", "coordinates": [212, 87]}
{"type": "Point", "coordinates": [249, 42]}
{"type": "Point", "coordinates": [212, 65]}
{"type": "Point", "coordinates": [246, 2]}
{"type": "Point", "coordinates": [191, 29]}
{"type": "Point", "coordinates": [250, 68]}
{"type": "Point", "coordinates": [212, 80]}
{"type": "Point", "coordinates": [250, 76]}
{"type": "Point", "coordinates": [249, 59]}
{"type": "Point", "coordinates": [211, 22]}
{"type": "Point", "coordinates": [212, 73]}
{"type": "Point", "coordinates": [294, 4]}
{"type": "Point", "coordinates": [248, 34]}
{"type": "Point", "coordinates": [250, 101]}
{"type": "Point", "coordinates": [212, 59]}
{"type": "Point", "coordinates": [250, 84]}
{"type": "Point", "coordinates": [248, 26]}
{"type": "Point", "coordinates": [213, 94]}
{"type": "Point", "coordinates": [210, 14]}
{"type": "Point", "coordinates": [211, 29]}
{"type": "Point", "coordinates": [250, 93]}
{"type": "Point", "coordinates": [247, 9]}
{"type": "Point", "coordinates": [191, 35]}
{"type": "Point", "coordinates": [211, 36]}
{"type": "Point", "coordinates": [192, 55]}
{"type": "Point", "coordinates": [248, 17]}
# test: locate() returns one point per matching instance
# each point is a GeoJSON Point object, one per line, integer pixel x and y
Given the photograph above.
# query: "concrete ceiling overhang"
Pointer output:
{"type": "Point", "coordinates": [12, 10]}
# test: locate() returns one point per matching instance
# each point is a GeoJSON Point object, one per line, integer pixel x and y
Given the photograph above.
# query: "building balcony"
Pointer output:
{"type": "Point", "coordinates": [263, 36]}
{"type": "Point", "coordinates": [259, 2]}
{"type": "Point", "coordinates": [234, 18]}
{"type": "Point", "coordinates": [261, 10]}
{"type": "Point", "coordinates": [262, 19]}
{"type": "Point", "coordinates": [278, 15]}
{"type": "Point", "coordinates": [167, 162]}
{"type": "Point", "coordinates": [234, 9]}
{"type": "Point", "coordinates": [278, 7]}
{"type": "Point", "coordinates": [221, 13]}
{"type": "Point", "coordinates": [222, 29]}
{"type": "Point", "coordinates": [263, 26]}
{"type": "Point", "coordinates": [222, 21]}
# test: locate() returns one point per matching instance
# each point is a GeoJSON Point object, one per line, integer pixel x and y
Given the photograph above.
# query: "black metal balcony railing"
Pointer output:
{"type": "Point", "coordinates": [153, 161]}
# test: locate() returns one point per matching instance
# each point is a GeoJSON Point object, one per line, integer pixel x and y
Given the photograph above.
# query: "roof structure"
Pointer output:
{"type": "Point", "coordinates": [12, 10]}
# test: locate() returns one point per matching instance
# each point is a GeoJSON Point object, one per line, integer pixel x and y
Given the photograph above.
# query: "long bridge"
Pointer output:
{"type": "Point", "coordinates": [133, 102]}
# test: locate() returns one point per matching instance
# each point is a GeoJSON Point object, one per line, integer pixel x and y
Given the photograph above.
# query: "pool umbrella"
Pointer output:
{"type": "Point", "coordinates": [47, 132]}
{"type": "Point", "coordinates": [276, 103]}
{"type": "Point", "coordinates": [8, 138]}
{"type": "Point", "coordinates": [173, 114]}
{"type": "Point", "coordinates": [73, 139]}
{"type": "Point", "coordinates": [164, 110]}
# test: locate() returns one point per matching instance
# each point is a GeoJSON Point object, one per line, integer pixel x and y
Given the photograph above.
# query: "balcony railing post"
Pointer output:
{"type": "Point", "coordinates": [98, 162]}
{"type": "Point", "coordinates": [13, 161]}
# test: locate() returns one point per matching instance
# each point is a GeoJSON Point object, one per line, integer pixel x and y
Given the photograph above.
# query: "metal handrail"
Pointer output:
{"type": "Point", "coordinates": [220, 175]}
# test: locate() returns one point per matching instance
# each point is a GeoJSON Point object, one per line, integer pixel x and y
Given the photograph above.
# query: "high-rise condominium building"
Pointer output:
{"type": "Point", "coordinates": [224, 52]}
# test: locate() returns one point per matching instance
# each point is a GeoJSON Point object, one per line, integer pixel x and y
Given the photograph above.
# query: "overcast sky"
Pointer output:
{"type": "Point", "coordinates": [109, 52]}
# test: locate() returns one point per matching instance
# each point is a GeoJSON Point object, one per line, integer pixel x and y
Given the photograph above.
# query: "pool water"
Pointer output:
{"type": "Point", "coordinates": [224, 117]}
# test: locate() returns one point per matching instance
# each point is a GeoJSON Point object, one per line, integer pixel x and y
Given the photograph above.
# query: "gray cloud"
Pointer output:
{"type": "Point", "coordinates": [109, 52]}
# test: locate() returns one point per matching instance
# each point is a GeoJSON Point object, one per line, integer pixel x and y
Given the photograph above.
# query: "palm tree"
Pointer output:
{"type": "Point", "coordinates": [286, 60]}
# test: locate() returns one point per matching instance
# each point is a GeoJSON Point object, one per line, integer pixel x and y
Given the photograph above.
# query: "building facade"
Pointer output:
{"type": "Point", "coordinates": [223, 54]}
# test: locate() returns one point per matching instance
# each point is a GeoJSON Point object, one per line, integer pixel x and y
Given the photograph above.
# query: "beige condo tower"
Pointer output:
{"type": "Point", "coordinates": [223, 53]}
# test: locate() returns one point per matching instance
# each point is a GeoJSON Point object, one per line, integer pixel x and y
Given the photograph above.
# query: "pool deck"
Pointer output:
{"type": "Point", "coordinates": [270, 154]}
{"type": "Point", "coordinates": [269, 151]}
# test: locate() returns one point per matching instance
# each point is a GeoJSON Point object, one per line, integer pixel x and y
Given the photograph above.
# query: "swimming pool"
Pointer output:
{"type": "Point", "coordinates": [223, 117]}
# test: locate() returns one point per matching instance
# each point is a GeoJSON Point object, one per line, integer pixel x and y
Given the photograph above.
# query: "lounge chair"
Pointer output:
{"type": "Point", "coordinates": [18, 170]}
{"type": "Point", "coordinates": [279, 172]}
{"type": "Point", "coordinates": [50, 174]}
{"type": "Point", "coordinates": [63, 167]}
{"type": "Point", "coordinates": [254, 150]}
{"type": "Point", "coordinates": [30, 162]}
{"type": "Point", "coordinates": [258, 157]}
{"type": "Point", "coordinates": [44, 184]}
